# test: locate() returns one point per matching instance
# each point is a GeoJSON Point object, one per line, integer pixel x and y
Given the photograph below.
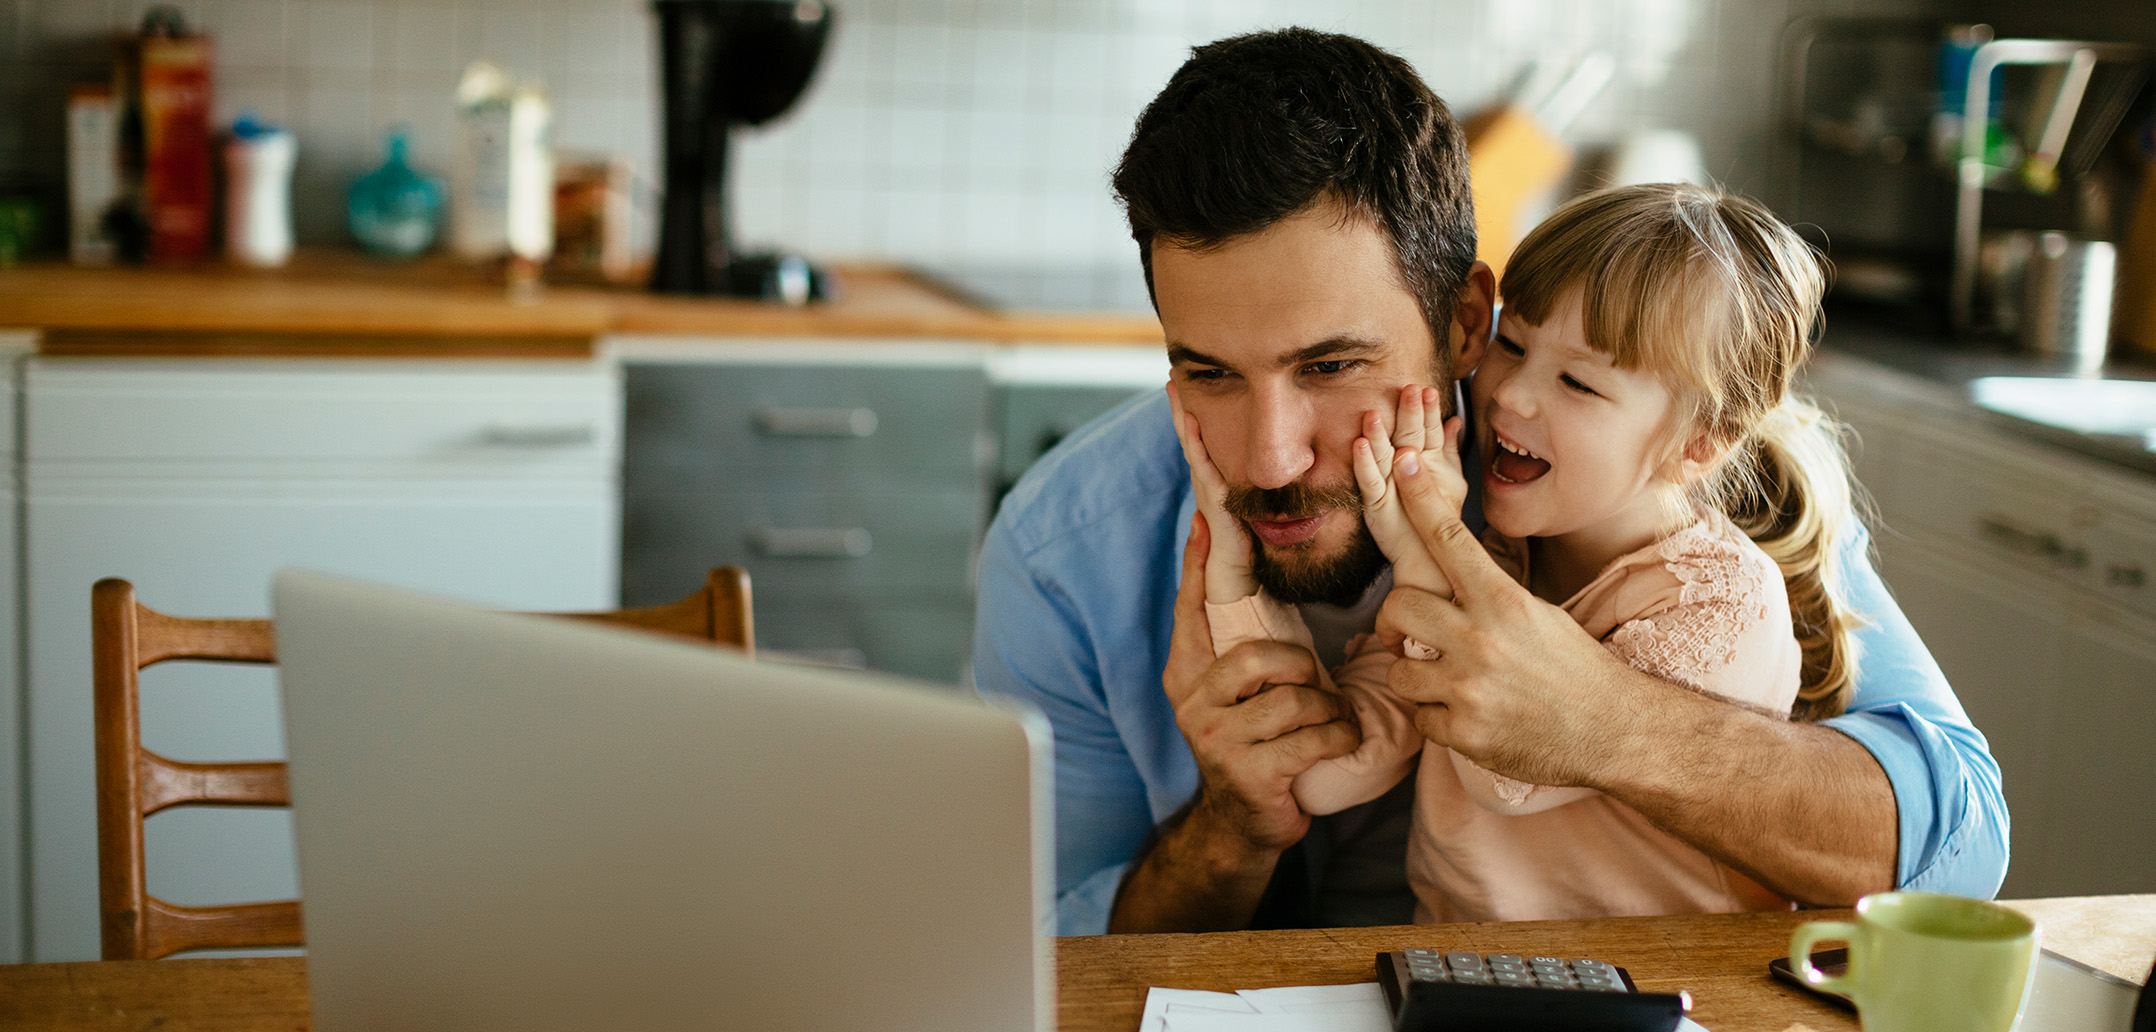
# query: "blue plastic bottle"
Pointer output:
{"type": "Point", "coordinates": [394, 210]}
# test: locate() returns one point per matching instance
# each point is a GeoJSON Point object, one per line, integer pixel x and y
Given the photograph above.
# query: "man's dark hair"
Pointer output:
{"type": "Point", "coordinates": [1255, 128]}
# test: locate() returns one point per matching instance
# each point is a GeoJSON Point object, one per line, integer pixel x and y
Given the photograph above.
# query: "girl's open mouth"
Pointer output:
{"type": "Point", "coordinates": [1512, 464]}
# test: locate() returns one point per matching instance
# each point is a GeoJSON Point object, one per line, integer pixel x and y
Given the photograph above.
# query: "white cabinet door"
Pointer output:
{"type": "Point", "coordinates": [1999, 634]}
{"type": "Point", "coordinates": [507, 495]}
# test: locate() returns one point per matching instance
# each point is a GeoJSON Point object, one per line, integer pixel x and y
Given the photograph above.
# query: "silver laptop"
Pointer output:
{"type": "Point", "coordinates": [520, 823]}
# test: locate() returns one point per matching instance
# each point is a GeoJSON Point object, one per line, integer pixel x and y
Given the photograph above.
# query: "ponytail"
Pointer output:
{"type": "Point", "coordinates": [1790, 491]}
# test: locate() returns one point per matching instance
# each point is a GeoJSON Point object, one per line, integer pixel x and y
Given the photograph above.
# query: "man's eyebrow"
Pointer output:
{"type": "Point", "coordinates": [1337, 347]}
{"type": "Point", "coordinates": [1179, 354]}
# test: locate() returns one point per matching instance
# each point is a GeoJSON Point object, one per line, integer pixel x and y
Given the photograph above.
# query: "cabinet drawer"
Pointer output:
{"type": "Point", "coordinates": [822, 421]}
{"type": "Point", "coordinates": [1037, 417]}
{"type": "Point", "coordinates": [90, 412]}
{"type": "Point", "coordinates": [2122, 562]}
{"type": "Point", "coordinates": [931, 643]}
{"type": "Point", "coordinates": [803, 545]}
{"type": "Point", "coordinates": [1996, 503]}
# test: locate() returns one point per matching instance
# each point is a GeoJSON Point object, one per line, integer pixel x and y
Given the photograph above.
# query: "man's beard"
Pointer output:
{"type": "Point", "coordinates": [1298, 575]}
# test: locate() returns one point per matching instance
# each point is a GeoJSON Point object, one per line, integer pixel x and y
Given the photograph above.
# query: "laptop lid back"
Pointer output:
{"type": "Point", "coordinates": [523, 823]}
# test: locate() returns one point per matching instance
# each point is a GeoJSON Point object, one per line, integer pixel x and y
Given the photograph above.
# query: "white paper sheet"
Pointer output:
{"type": "Point", "coordinates": [1295, 1008]}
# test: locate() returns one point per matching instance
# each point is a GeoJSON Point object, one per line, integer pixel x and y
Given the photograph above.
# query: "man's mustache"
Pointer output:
{"type": "Point", "coordinates": [1293, 502]}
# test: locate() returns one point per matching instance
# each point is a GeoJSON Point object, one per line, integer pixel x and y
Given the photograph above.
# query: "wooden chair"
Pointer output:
{"type": "Point", "coordinates": [133, 782]}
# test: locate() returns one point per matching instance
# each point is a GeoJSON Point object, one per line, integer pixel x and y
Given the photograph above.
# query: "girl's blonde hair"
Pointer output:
{"type": "Point", "coordinates": [1716, 296]}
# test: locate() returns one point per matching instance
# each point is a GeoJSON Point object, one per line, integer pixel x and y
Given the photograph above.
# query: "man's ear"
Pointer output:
{"type": "Point", "coordinates": [1474, 318]}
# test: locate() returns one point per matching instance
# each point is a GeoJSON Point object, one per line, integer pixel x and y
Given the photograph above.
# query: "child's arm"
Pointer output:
{"type": "Point", "coordinates": [1390, 740]}
{"type": "Point", "coordinates": [1416, 423]}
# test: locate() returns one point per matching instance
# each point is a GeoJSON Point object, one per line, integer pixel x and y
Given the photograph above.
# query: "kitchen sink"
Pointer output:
{"type": "Point", "coordinates": [2121, 408]}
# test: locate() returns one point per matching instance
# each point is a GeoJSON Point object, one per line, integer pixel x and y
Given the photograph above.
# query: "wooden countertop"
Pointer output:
{"type": "Point", "coordinates": [339, 303]}
{"type": "Point", "coordinates": [1102, 980]}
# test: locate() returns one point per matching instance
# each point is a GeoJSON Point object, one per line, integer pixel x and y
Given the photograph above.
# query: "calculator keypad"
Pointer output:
{"type": "Point", "coordinates": [1508, 969]}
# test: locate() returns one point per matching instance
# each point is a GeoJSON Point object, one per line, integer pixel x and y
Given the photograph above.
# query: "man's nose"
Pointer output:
{"type": "Point", "coordinates": [1279, 451]}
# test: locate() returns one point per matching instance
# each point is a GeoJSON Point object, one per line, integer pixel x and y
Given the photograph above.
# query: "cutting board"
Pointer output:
{"type": "Point", "coordinates": [2134, 321]}
{"type": "Point", "coordinates": [1513, 163]}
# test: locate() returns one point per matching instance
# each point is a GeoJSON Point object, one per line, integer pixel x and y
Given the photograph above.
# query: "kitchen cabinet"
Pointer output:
{"type": "Point", "coordinates": [2024, 566]}
{"type": "Point", "coordinates": [852, 479]}
{"type": "Point", "coordinates": [14, 347]}
{"type": "Point", "coordinates": [197, 479]}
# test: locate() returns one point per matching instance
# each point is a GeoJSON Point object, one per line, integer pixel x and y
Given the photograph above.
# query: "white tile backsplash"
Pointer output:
{"type": "Point", "coordinates": [948, 131]}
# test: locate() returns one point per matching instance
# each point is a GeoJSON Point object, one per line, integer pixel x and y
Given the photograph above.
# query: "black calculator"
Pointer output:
{"type": "Point", "coordinates": [1458, 991]}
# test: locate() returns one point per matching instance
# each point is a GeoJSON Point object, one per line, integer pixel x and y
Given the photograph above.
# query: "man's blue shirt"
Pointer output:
{"type": "Point", "coordinates": [1077, 601]}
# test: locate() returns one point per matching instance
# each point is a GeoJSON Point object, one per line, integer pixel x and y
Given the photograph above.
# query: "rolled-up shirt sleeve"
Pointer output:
{"type": "Point", "coordinates": [1954, 828]}
{"type": "Point", "coordinates": [1029, 645]}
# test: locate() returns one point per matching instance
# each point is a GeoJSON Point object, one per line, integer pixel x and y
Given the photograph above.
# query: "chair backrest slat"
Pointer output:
{"type": "Point", "coordinates": [167, 783]}
{"type": "Point", "coordinates": [133, 783]}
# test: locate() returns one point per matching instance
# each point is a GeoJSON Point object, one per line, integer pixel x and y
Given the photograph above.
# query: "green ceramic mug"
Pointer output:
{"type": "Point", "coordinates": [1923, 962]}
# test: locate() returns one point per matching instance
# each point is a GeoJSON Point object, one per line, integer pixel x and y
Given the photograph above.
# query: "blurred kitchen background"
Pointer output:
{"type": "Point", "coordinates": [937, 132]}
{"type": "Point", "coordinates": [850, 455]}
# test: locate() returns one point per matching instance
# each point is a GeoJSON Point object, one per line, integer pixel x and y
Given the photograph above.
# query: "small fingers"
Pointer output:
{"type": "Point", "coordinates": [1369, 474]}
{"type": "Point", "coordinates": [1433, 415]}
{"type": "Point", "coordinates": [1374, 431]}
{"type": "Point", "coordinates": [1407, 429]}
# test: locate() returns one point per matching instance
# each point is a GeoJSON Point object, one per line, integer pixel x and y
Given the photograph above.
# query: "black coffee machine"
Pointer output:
{"type": "Point", "coordinates": [727, 63]}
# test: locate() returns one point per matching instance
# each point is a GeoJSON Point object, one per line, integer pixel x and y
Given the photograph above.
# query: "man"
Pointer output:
{"type": "Point", "coordinates": [1300, 204]}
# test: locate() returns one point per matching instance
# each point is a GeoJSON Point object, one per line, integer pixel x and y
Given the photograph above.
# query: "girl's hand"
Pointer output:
{"type": "Point", "coordinates": [1416, 424]}
{"type": "Point", "coordinates": [1227, 563]}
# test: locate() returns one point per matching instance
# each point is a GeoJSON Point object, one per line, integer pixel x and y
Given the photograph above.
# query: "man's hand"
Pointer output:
{"type": "Point", "coordinates": [1521, 690]}
{"type": "Point", "coordinates": [1518, 687]}
{"type": "Point", "coordinates": [1228, 560]}
{"type": "Point", "coordinates": [1254, 720]}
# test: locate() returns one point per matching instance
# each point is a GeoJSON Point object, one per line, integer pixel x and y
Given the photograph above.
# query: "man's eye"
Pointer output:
{"type": "Point", "coordinates": [1578, 386]}
{"type": "Point", "coordinates": [1328, 368]}
{"type": "Point", "coordinates": [1204, 375]}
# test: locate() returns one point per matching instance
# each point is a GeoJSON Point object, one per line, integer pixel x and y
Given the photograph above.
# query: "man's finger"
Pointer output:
{"type": "Point", "coordinates": [1466, 564]}
{"type": "Point", "coordinates": [1303, 748]}
{"type": "Point", "coordinates": [1428, 618]}
{"type": "Point", "coordinates": [1248, 667]}
{"type": "Point", "coordinates": [1190, 644]}
{"type": "Point", "coordinates": [1279, 712]}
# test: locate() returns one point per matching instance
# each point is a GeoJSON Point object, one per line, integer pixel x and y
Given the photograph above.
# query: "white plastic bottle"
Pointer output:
{"type": "Point", "coordinates": [531, 176]}
{"type": "Point", "coordinates": [258, 193]}
{"type": "Point", "coordinates": [479, 176]}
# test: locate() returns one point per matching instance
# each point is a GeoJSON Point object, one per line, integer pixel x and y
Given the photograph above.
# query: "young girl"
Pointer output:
{"type": "Point", "coordinates": [1645, 467]}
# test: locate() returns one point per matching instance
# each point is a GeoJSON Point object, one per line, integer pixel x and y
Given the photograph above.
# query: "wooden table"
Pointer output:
{"type": "Point", "coordinates": [1102, 980]}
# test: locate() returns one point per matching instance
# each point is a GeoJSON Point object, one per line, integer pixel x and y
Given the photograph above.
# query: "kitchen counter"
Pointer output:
{"type": "Point", "coordinates": [1934, 372]}
{"type": "Point", "coordinates": [342, 304]}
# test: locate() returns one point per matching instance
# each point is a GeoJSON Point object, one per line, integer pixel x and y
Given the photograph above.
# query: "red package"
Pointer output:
{"type": "Point", "coordinates": [176, 184]}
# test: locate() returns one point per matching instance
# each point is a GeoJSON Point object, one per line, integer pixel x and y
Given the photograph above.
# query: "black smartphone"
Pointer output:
{"type": "Point", "coordinates": [2067, 995]}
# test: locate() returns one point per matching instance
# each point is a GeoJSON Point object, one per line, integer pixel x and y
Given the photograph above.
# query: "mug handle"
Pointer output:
{"type": "Point", "coordinates": [1800, 954]}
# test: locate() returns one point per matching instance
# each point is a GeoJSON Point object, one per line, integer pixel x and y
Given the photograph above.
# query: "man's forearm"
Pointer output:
{"type": "Point", "coordinates": [1196, 875]}
{"type": "Point", "coordinates": [1802, 809]}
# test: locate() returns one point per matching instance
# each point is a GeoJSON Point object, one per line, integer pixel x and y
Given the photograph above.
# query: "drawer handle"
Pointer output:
{"type": "Point", "coordinates": [811, 542]}
{"type": "Point", "coordinates": [568, 435]}
{"type": "Point", "coordinates": [807, 422]}
{"type": "Point", "coordinates": [2041, 544]}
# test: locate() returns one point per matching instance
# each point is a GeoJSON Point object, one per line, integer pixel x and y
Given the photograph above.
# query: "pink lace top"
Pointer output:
{"type": "Point", "coordinates": [1703, 607]}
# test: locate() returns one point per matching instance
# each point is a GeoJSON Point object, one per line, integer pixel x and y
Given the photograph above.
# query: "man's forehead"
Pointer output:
{"type": "Point", "coordinates": [1311, 282]}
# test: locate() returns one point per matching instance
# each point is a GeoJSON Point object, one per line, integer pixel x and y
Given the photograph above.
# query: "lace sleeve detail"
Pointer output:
{"type": "Point", "coordinates": [1723, 595]}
